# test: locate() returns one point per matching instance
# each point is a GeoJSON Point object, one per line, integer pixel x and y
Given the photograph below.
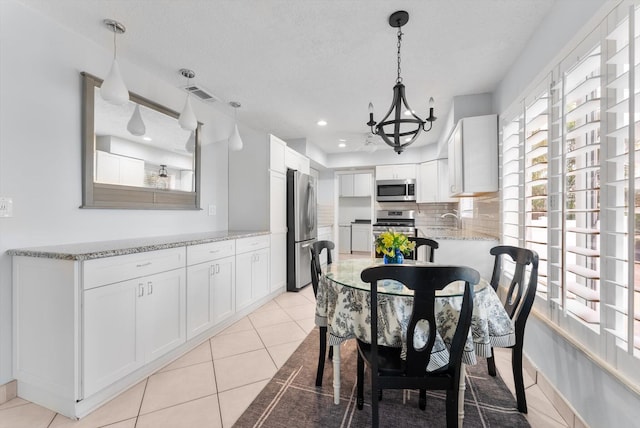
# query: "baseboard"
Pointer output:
{"type": "Point", "coordinates": [568, 413]}
{"type": "Point", "coordinates": [8, 391]}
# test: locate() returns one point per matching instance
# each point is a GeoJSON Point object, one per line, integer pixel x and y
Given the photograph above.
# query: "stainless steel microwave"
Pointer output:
{"type": "Point", "coordinates": [396, 190]}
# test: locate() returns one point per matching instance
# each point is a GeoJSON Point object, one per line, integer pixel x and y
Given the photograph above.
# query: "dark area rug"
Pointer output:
{"type": "Point", "coordinates": [291, 398]}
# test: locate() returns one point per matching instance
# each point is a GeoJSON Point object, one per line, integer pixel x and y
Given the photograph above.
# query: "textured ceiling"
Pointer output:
{"type": "Point", "coordinates": [293, 62]}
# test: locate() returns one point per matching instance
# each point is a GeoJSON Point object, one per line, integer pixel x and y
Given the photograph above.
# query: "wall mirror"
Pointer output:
{"type": "Point", "coordinates": [150, 164]}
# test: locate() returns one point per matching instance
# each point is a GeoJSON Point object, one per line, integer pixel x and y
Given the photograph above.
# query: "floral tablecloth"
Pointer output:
{"type": "Point", "coordinates": [345, 310]}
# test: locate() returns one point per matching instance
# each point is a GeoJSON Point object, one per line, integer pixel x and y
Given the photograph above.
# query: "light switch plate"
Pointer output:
{"type": "Point", "coordinates": [212, 209]}
{"type": "Point", "coordinates": [6, 207]}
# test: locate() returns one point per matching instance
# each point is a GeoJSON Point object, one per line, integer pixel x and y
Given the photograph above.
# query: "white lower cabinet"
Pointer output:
{"type": "Point", "coordinates": [211, 270]}
{"type": "Point", "coordinates": [86, 330]}
{"type": "Point", "coordinates": [252, 270]}
{"type": "Point", "coordinates": [129, 324]}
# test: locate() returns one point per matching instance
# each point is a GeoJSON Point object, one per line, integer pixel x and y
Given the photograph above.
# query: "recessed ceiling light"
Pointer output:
{"type": "Point", "coordinates": [342, 145]}
{"type": "Point", "coordinates": [322, 123]}
{"type": "Point", "coordinates": [146, 138]}
{"type": "Point", "coordinates": [342, 140]}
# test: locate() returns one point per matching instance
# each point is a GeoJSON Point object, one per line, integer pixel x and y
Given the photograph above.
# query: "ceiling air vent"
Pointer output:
{"type": "Point", "coordinates": [201, 93]}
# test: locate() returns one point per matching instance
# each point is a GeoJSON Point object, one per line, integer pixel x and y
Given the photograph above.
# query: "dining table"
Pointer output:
{"type": "Point", "coordinates": [343, 306]}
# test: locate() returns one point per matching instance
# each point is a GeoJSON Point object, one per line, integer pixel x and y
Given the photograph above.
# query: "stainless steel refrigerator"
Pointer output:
{"type": "Point", "coordinates": [302, 230]}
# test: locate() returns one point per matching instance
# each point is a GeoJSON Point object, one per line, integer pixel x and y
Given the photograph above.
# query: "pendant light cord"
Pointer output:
{"type": "Point", "coordinates": [114, 44]}
{"type": "Point", "coordinates": [399, 79]}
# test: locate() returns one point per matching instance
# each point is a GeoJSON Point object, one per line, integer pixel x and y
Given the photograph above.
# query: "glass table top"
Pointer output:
{"type": "Point", "coordinates": [347, 273]}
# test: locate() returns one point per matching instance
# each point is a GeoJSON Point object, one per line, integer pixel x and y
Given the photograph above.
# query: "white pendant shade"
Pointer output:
{"type": "Point", "coordinates": [187, 118]}
{"type": "Point", "coordinates": [113, 89]}
{"type": "Point", "coordinates": [235, 142]}
{"type": "Point", "coordinates": [136, 124]}
{"type": "Point", "coordinates": [191, 143]}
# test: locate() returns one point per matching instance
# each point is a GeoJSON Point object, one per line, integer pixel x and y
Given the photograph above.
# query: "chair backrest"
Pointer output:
{"type": "Point", "coordinates": [425, 281]}
{"type": "Point", "coordinates": [519, 299]}
{"type": "Point", "coordinates": [433, 245]}
{"type": "Point", "coordinates": [316, 268]}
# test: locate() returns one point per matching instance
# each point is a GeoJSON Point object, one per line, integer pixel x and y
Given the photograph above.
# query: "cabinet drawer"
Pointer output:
{"type": "Point", "coordinates": [211, 251]}
{"type": "Point", "coordinates": [254, 243]}
{"type": "Point", "coordinates": [119, 268]}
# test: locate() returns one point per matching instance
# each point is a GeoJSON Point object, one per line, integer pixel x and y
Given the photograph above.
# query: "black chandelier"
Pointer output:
{"type": "Point", "coordinates": [404, 130]}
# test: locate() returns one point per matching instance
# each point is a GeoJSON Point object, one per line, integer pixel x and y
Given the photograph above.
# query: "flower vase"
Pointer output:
{"type": "Point", "coordinates": [398, 258]}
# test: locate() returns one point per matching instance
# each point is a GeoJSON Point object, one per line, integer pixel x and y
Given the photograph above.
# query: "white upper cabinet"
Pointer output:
{"type": "Point", "coordinates": [396, 172]}
{"type": "Point", "coordinates": [278, 148]}
{"type": "Point", "coordinates": [433, 182]}
{"type": "Point", "coordinates": [297, 161]}
{"type": "Point", "coordinates": [358, 185]}
{"type": "Point", "coordinates": [473, 156]}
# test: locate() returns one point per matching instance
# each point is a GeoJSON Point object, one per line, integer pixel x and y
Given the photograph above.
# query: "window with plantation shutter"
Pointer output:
{"type": "Point", "coordinates": [570, 171]}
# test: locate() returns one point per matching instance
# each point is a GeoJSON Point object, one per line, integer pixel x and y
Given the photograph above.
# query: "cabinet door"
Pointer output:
{"type": "Point", "coordinates": [112, 321]}
{"type": "Point", "coordinates": [404, 171]}
{"type": "Point", "coordinates": [361, 238]}
{"type": "Point", "coordinates": [362, 185]}
{"type": "Point", "coordinates": [200, 298]}
{"type": "Point", "coordinates": [428, 182]}
{"type": "Point", "coordinates": [243, 280]}
{"type": "Point", "coordinates": [277, 162]}
{"type": "Point", "coordinates": [278, 259]}
{"type": "Point", "coordinates": [385, 172]}
{"type": "Point", "coordinates": [278, 202]}
{"type": "Point", "coordinates": [443, 182]}
{"type": "Point", "coordinates": [165, 310]}
{"type": "Point", "coordinates": [346, 185]}
{"type": "Point", "coordinates": [455, 161]}
{"type": "Point", "coordinates": [260, 280]}
{"type": "Point", "coordinates": [223, 289]}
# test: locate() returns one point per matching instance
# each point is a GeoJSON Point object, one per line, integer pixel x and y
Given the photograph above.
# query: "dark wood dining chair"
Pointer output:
{"type": "Point", "coordinates": [430, 243]}
{"type": "Point", "coordinates": [388, 369]}
{"type": "Point", "coordinates": [316, 272]}
{"type": "Point", "coordinates": [518, 303]}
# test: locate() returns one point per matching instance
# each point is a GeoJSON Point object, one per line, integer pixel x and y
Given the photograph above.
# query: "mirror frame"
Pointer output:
{"type": "Point", "coordinates": [114, 196]}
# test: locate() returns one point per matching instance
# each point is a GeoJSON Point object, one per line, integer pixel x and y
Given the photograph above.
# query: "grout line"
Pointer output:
{"type": "Point", "coordinates": [144, 392]}
{"type": "Point", "coordinates": [215, 380]}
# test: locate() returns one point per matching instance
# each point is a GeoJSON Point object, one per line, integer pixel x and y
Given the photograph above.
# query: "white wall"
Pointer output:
{"type": "Point", "coordinates": [40, 148]}
{"type": "Point", "coordinates": [598, 397]}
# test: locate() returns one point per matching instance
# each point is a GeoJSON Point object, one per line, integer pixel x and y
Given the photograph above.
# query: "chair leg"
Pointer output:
{"type": "Point", "coordinates": [516, 362]}
{"type": "Point", "coordinates": [422, 400]}
{"type": "Point", "coordinates": [331, 353]}
{"type": "Point", "coordinates": [360, 383]}
{"type": "Point", "coordinates": [491, 364]}
{"type": "Point", "coordinates": [375, 421]}
{"type": "Point", "coordinates": [321, 355]}
{"type": "Point", "coordinates": [452, 408]}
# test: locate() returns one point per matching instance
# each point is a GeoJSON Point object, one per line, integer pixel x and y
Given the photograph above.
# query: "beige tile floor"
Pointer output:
{"type": "Point", "coordinates": [214, 383]}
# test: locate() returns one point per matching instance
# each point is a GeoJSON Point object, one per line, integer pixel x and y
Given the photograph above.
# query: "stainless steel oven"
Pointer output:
{"type": "Point", "coordinates": [396, 190]}
{"type": "Point", "coordinates": [402, 221]}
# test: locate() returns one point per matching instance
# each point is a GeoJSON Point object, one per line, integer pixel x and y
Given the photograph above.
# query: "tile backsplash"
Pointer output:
{"type": "Point", "coordinates": [483, 217]}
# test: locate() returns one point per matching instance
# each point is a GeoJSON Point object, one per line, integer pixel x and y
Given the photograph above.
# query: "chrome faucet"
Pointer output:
{"type": "Point", "coordinates": [454, 214]}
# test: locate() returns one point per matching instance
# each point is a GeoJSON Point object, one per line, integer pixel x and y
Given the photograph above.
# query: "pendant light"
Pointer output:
{"type": "Point", "coordinates": [191, 143]}
{"type": "Point", "coordinates": [400, 132]}
{"type": "Point", "coordinates": [113, 89]}
{"type": "Point", "coordinates": [235, 142]}
{"type": "Point", "coordinates": [136, 124]}
{"type": "Point", "coordinates": [187, 119]}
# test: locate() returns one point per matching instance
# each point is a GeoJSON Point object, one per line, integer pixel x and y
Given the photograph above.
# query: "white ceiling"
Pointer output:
{"type": "Point", "coordinates": [293, 62]}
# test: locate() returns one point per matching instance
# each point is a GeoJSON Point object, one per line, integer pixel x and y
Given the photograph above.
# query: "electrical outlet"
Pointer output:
{"type": "Point", "coordinates": [6, 207]}
{"type": "Point", "coordinates": [212, 209]}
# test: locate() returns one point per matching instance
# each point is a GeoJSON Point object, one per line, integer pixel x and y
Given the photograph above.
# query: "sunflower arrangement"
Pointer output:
{"type": "Point", "coordinates": [388, 242]}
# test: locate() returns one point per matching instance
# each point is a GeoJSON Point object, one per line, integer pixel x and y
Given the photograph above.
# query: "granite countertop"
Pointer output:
{"type": "Point", "coordinates": [97, 250]}
{"type": "Point", "coordinates": [461, 234]}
